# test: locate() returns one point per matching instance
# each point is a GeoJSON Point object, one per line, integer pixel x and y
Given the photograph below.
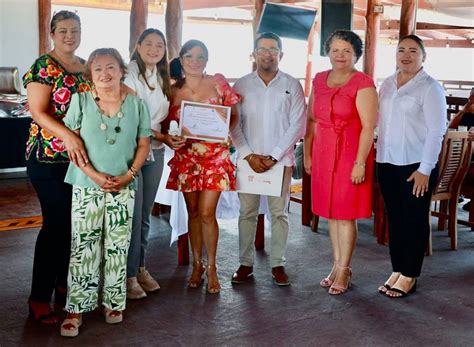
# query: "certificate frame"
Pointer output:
{"type": "Point", "coordinates": [197, 120]}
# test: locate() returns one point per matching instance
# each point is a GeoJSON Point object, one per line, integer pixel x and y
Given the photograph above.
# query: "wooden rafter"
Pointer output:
{"type": "Point", "coordinates": [432, 31]}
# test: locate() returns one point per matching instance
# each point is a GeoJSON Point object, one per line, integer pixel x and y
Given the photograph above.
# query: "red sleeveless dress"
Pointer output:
{"type": "Point", "coordinates": [335, 146]}
{"type": "Point", "coordinates": [200, 165]}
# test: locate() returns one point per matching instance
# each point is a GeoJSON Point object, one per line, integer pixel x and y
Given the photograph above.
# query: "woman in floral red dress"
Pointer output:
{"type": "Point", "coordinates": [50, 82]}
{"type": "Point", "coordinates": [201, 170]}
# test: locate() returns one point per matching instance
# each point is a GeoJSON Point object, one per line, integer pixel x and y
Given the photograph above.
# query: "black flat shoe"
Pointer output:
{"type": "Point", "coordinates": [403, 294]}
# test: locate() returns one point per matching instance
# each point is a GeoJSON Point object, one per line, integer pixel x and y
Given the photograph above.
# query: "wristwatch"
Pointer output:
{"type": "Point", "coordinates": [272, 159]}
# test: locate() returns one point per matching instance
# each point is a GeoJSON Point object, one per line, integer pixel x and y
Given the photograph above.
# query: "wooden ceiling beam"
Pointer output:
{"type": "Point", "coordinates": [212, 20]}
{"type": "Point", "coordinates": [449, 43]}
{"type": "Point", "coordinates": [153, 7]}
{"type": "Point", "coordinates": [432, 26]}
{"type": "Point", "coordinates": [391, 24]}
{"type": "Point", "coordinates": [448, 34]}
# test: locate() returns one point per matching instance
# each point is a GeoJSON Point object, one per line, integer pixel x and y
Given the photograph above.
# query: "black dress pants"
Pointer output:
{"type": "Point", "coordinates": [408, 216]}
{"type": "Point", "coordinates": [53, 245]}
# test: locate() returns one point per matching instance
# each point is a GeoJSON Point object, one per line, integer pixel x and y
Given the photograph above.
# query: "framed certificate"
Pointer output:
{"type": "Point", "coordinates": [268, 183]}
{"type": "Point", "coordinates": [204, 121]}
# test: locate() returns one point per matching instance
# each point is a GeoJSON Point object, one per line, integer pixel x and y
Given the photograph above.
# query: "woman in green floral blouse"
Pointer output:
{"type": "Point", "coordinates": [50, 82]}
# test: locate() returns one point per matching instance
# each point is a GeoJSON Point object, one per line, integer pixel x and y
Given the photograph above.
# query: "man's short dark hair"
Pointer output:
{"type": "Point", "coordinates": [268, 35]}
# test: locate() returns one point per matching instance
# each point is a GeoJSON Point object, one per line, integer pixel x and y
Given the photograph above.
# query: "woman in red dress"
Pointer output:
{"type": "Point", "coordinates": [339, 151]}
{"type": "Point", "coordinates": [201, 170]}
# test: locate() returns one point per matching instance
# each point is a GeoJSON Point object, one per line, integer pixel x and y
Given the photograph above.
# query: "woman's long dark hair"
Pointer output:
{"type": "Point", "coordinates": [176, 69]}
{"type": "Point", "coordinates": [161, 67]}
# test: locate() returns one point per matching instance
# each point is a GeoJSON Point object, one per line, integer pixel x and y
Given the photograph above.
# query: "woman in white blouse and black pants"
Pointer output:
{"type": "Point", "coordinates": [412, 123]}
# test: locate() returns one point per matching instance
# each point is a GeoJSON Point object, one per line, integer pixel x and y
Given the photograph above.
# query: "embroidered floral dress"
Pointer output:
{"type": "Point", "coordinates": [46, 70]}
{"type": "Point", "coordinates": [200, 165]}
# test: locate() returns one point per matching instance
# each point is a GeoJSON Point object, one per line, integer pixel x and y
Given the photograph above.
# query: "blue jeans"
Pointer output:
{"type": "Point", "coordinates": [148, 181]}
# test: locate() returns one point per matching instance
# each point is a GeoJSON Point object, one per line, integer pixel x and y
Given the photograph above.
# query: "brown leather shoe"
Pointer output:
{"type": "Point", "coordinates": [243, 274]}
{"type": "Point", "coordinates": [280, 278]}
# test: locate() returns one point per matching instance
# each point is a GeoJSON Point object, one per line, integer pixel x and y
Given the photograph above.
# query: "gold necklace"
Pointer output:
{"type": "Point", "coordinates": [104, 127]}
{"type": "Point", "coordinates": [193, 91]}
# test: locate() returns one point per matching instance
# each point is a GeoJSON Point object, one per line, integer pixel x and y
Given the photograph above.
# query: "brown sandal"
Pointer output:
{"type": "Point", "coordinates": [329, 280]}
{"type": "Point", "coordinates": [196, 278]}
{"type": "Point", "coordinates": [213, 288]}
{"type": "Point", "coordinates": [337, 289]}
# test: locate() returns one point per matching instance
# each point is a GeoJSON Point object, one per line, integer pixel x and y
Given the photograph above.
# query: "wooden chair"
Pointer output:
{"type": "Point", "coordinates": [467, 190]}
{"type": "Point", "coordinates": [467, 186]}
{"type": "Point", "coordinates": [455, 104]}
{"type": "Point", "coordinates": [453, 165]}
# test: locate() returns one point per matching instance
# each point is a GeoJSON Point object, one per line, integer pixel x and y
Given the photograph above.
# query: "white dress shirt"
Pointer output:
{"type": "Point", "coordinates": [412, 122]}
{"type": "Point", "coordinates": [158, 104]}
{"type": "Point", "coordinates": [271, 118]}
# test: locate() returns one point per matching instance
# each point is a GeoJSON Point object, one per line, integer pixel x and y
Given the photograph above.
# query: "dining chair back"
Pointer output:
{"type": "Point", "coordinates": [454, 160]}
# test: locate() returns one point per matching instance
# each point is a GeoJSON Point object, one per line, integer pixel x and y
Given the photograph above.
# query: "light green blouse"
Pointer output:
{"type": "Point", "coordinates": [113, 159]}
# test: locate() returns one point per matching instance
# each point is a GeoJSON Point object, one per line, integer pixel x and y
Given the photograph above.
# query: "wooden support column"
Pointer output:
{"type": "Point", "coordinates": [306, 211]}
{"type": "Point", "coordinates": [174, 32]}
{"type": "Point", "coordinates": [183, 249]}
{"type": "Point", "coordinates": [256, 20]}
{"type": "Point", "coordinates": [174, 27]}
{"type": "Point", "coordinates": [309, 62]}
{"type": "Point", "coordinates": [260, 233]}
{"type": "Point", "coordinates": [258, 14]}
{"type": "Point", "coordinates": [138, 21]}
{"type": "Point", "coordinates": [44, 18]}
{"type": "Point", "coordinates": [408, 18]}
{"type": "Point", "coordinates": [372, 32]}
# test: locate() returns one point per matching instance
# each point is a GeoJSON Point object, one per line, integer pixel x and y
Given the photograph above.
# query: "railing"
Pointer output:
{"type": "Point", "coordinates": [453, 88]}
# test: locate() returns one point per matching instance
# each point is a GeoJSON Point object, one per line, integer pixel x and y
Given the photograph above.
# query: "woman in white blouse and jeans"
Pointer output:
{"type": "Point", "coordinates": [412, 123]}
{"type": "Point", "coordinates": [148, 76]}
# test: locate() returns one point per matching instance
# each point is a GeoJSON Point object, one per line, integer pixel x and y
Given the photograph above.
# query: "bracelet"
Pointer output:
{"type": "Point", "coordinates": [362, 165]}
{"type": "Point", "coordinates": [249, 158]}
{"type": "Point", "coordinates": [133, 172]}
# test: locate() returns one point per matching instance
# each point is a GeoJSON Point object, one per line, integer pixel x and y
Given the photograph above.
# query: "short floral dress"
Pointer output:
{"type": "Point", "coordinates": [47, 70]}
{"type": "Point", "coordinates": [200, 165]}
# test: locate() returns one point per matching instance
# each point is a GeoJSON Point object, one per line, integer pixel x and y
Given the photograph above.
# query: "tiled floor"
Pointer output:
{"type": "Point", "coordinates": [258, 313]}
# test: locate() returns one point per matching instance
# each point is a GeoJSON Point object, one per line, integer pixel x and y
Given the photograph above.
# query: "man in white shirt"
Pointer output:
{"type": "Point", "coordinates": [271, 121]}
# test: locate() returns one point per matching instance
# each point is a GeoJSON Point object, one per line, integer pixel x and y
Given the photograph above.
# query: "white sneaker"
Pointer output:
{"type": "Point", "coordinates": [147, 282]}
{"type": "Point", "coordinates": [134, 290]}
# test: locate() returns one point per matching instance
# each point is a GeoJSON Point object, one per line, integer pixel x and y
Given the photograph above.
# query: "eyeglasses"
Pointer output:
{"type": "Point", "coordinates": [265, 51]}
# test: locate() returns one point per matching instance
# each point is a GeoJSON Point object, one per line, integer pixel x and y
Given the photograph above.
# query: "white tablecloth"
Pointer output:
{"type": "Point", "coordinates": [227, 208]}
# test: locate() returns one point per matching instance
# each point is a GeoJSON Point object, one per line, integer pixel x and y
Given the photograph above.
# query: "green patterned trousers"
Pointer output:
{"type": "Point", "coordinates": [101, 229]}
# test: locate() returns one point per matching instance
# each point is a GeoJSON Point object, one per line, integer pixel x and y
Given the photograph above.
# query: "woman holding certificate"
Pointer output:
{"type": "Point", "coordinates": [201, 169]}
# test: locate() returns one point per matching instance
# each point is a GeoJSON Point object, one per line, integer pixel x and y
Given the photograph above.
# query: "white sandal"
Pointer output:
{"type": "Point", "coordinates": [75, 323]}
{"type": "Point", "coordinates": [113, 317]}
